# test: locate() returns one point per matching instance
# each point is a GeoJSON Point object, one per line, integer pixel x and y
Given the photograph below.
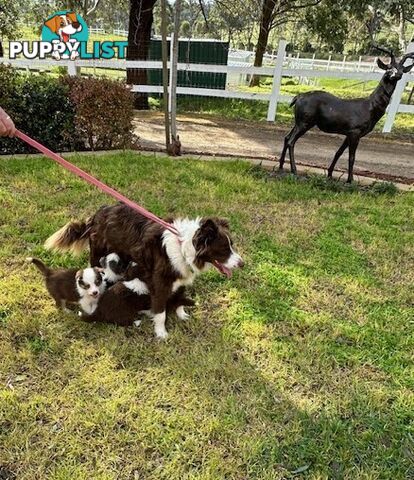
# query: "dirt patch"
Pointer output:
{"type": "Point", "coordinates": [199, 134]}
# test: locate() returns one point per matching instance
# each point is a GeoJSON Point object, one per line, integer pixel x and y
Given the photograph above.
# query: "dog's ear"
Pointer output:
{"type": "Point", "coordinates": [72, 16]}
{"type": "Point", "coordinates": [102, 262]}
{"type": "Point", "coordinates": [209, 229]}
{"type": "Point", "coordinates": [53, 23]}
{"type": "Point", "coordinates": [382, 65]}
{"type": "Point", "coordinates": [223, 222]}
{"type": "Point", "coordinates": [205, 234]}
{"type": "Point", "coordinates": [78, 274]}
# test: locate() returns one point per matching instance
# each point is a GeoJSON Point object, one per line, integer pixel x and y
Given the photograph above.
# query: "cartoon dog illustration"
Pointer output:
{"type": "Point", "coordinates": [64, 26]}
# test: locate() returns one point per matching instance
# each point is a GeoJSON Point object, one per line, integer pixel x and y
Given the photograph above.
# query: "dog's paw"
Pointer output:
{"type": "Point", "coordinates": [182, 314]}
{"type": "Point", "coordinates": [137, 323]}
{"type": "Point", "coordinates": [161, 333]}
{"type": "Point", "coordinates": [74, 55]}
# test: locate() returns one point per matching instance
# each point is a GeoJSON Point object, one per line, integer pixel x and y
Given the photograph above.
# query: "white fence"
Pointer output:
{"type": "Point", "coordinates": [282, 68]}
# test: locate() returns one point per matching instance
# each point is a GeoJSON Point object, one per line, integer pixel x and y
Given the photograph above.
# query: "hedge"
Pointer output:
{"type": "Point", "coordinates": [66, 113]}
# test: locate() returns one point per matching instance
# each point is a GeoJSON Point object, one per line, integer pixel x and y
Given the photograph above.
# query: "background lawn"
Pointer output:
{"type": "Point", "coordinates": [299, 366]}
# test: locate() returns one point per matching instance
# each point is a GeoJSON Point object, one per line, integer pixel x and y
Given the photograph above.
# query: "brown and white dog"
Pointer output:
{"type": "Point", "coordinates": [64, 26]}
{"type": "Point", "coordinates": [164, 261]}
{"type": "Point", "coordinates": [71, 285]}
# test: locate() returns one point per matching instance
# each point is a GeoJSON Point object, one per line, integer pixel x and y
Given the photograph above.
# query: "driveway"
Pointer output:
{"type": "Point", "coordinates": [376, 156]}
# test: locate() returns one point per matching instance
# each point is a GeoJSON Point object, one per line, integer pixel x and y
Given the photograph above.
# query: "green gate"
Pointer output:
{"type": "Point", "coordinates": [212, 52]}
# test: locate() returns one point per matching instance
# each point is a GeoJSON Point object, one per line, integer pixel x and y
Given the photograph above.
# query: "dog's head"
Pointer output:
{"type": "Point", "coordinates": [113, 266]}
{"type": "Point", "coordinates": [89, 281]}
{"type": "Point", "coordinates": [64, 25]}
{"type": "Point", "coordinates": [213, 245]}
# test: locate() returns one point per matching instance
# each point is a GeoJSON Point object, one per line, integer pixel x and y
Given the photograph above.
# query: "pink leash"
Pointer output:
{"type": "Point", "coordinates": [93, 181]}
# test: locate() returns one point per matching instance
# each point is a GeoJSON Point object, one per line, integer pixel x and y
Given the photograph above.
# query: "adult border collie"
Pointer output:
{"type": "Point", "coordinates": [164, 261]}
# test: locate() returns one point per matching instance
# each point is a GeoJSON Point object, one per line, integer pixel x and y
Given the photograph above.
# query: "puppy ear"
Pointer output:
{"type": "Point", "coordinates": [78, 274]}
{"type": "Point", "coordinates": [72, 16]}
{"type": "Point", "coordinates": [53, 23]}
{"type": "Point", "coordinates": [382, 65]}
{"type": "Point", "coordinates": [102, 262]}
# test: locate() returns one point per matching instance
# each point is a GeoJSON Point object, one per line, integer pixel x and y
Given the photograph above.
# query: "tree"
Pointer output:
{"type": "Point", "coordinates": [8, 20]}
{"type": "Point", "coordinates": [275, 13]}
{"type": "Point", "coordinates": [139, 36]}
{"type": "Point", "coordinates": [329, 23]}
{"type": "Point", "coordinates": [402, 12]}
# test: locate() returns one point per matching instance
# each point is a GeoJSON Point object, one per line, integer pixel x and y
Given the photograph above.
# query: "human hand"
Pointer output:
{"type": "Point", "coordinates": [7, 128]}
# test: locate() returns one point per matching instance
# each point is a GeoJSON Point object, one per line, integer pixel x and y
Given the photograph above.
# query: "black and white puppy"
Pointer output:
{"type": "Point", "coordinates": [114, 268]}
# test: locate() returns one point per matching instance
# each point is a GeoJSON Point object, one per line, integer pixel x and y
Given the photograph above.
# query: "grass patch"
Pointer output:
{"type": "Point", "coordinates": [299, 366]}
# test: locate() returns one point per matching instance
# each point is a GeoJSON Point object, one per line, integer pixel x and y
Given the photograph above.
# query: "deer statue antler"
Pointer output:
{"type": "Point", "coordinates": [406, 57]}
{"type": "Point", "coordinates": [388, 51]}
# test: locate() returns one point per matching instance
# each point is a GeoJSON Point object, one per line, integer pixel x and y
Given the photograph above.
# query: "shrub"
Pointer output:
{"type": "Point", "coordinates": [66, 113]}
{"type": "Point", "coordinates": [104, 111]}
{"type": "Point", "coordinates": [40, 107]}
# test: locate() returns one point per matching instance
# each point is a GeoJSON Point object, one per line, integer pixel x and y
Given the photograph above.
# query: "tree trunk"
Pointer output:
{"type": "Point", "coordinates": [139, 36]}
{"type": "Point", "coordinates": [402, 40]}
{"type": "Point", "coordinates": [265, 27]}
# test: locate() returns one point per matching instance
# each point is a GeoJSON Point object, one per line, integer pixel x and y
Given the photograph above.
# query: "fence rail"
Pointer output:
{"type": "Point", "coordinates": [284, 66]}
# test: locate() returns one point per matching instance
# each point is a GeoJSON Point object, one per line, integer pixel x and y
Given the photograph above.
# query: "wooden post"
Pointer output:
{"type": "Point", "coordinates": [396, 97]}
{"type": "Point", "coordinates": [165, 74]}
{"type": "Point", "coordinates": [277, 78]}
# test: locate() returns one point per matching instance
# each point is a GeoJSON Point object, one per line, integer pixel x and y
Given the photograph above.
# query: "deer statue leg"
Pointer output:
{"type": "Point", "coordinates": [285, 147]}
{"type": "Point", "coordinates": [353, 145]}
{"type": "Point", "coordinates": [337, 156]}
{"type": "Point", "coordinates": [297, 132]}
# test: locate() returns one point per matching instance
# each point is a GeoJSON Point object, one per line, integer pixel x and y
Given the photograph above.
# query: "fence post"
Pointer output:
{"type": "Point", "coordinates": [396, 98]}
{"type": "Point", "coordinates": [72, 68]}
{"type": "Point", "coordinates": [329, 62]}
{"type": "Point", "coordinates": [277, 78]}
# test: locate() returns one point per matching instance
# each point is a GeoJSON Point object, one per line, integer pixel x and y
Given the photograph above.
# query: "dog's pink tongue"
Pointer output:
{"type": "Point", "coordinates": [222, 269]}
{"type": "Point", "coordinates": [65, 37]}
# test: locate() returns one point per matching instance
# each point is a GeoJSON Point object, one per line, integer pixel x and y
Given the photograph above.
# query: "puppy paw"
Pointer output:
{"type": "Point", "coordinates": [182, 314]}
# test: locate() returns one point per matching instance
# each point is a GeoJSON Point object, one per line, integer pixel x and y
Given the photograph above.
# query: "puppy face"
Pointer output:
{"type": "Point", "coordinates": [89, 281]}
{"type": "Point", "coordinates": [64, 25]}
{"type": "Point", "coordinates": [114, 267]}
{"type": "Point", "coordinates": [214, 246]}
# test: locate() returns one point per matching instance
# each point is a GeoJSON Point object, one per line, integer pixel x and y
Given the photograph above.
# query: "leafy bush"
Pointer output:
{"type": "Point", "coordinates": [66, 113]}
{"type": "Point", "coordinates": [40, 107]}
{"type": "Point", "coordinates": [104, 111]}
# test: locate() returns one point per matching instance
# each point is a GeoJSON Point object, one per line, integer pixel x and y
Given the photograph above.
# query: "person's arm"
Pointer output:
{"type": "Point", "coordinates": [7, 128]}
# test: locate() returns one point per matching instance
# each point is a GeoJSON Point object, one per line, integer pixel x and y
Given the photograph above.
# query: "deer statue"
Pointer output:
{"type": "Point", "coordinates": [352, 118]}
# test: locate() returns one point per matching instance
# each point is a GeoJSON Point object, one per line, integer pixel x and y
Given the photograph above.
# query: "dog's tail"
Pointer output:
{"type": "Point", "coordinates": [294, 100]}
{"type": "Point", "coordinates": [73, 237]}
{"type": "Point", "coordinates": [40, 265]}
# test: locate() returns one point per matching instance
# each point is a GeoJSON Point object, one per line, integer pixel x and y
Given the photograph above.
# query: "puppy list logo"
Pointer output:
{"type": "Point", "coordinates": [64, 36]}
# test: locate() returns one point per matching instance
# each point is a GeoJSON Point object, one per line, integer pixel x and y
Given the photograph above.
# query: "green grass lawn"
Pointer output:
{"type": "Point", "coordinates": [300, 366]}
